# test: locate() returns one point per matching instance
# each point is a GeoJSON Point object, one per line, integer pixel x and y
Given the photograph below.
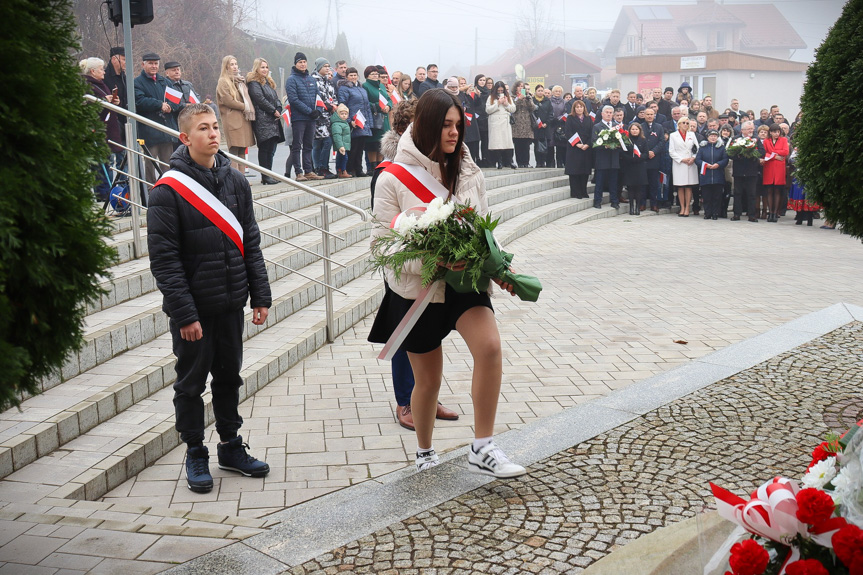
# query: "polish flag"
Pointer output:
{"type": "Point", "coordinates": [539, 124]}
{"type": "Point", "coordinates": [397, 99]}
{"type": "Point", "coordinates": [287, 114]}
{"type": "Point", "coordinates": [468, 118]}
{"type": "Point", "coordinates": [575, 139]}
{"type": "Point", "coordinates": [636, 151]}
{"type": "Point", "coordinates": [703, 168]}
{"type": "Point", "coordinates": [319, 103]}
{"type": "Point", "coordinates": [193, 97]}
{"type": "Point", "coordinates": [173, 95]}
{"type": "Point", "coordinates": [382, 101]}
{"type": "Point", "coordinates": [768, 157]}
{"type": "Point", "coordinates": [663, 178]}
{"type": "Point", "coordinates": [564, 117]}
{"type": "Point", "coordinates": [592, 115]}
{"type": "Point", "coordinates": [360, 120]}
{"type": "Point", "coordinates": [379, 61]}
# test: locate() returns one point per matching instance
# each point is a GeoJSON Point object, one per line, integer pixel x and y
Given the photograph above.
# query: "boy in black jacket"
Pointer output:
{"type": "Point", "coordinates": [206, 257]}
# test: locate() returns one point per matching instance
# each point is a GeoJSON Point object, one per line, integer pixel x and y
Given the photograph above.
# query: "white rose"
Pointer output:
{"type": "Point", "coordinates": [821, 473]}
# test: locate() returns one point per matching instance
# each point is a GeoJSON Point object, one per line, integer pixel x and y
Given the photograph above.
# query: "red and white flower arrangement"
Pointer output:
{"type": "Point", "coordinates": [794, 529]}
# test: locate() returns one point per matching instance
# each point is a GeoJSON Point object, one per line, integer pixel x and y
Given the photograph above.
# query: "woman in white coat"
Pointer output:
{"type": "Point", "coordinates": [499, 107]}
{"type": "Point", "coordinates": [434, 143]}
{"type": "Point", "coordinates": [683, 147]}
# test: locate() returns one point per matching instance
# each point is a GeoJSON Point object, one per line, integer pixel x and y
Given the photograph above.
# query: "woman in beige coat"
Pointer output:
{"type": "Point", "coordinates": [236, 109]}
{"type": "Point", "coordinates": [499, 107]}
{"type": "Point", "coordinates": [434, 144]}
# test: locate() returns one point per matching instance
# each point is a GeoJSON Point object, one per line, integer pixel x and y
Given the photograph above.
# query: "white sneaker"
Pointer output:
{"type": "Point", "coordinates": [427, 460]}
{"type": "Point", "coordinates": [491, 460]}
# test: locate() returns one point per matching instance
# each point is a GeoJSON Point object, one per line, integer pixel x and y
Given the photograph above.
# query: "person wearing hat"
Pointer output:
{"type": "Point", "coordinates": [711, 161]}
{"type": "Point", "coordinates": [151, 103]}
{"type": "Point", "coordinates": [302, 91]}
{"type": "Point", "coordinates": [323, 136]}
{"type": "Point", "coordinates": [115, 78]}
{"type": "Point", "coordinates": [174, 76]}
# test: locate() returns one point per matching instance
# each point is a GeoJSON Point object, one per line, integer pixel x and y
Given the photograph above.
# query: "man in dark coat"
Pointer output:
{"type": "Point", "coordinates": [115, 77]}
{"type": "Point", "coordinates": [206, 276]}
{"type": "Point", "coordinates": [746, 172]}
{"type": "Point", "coordinates": [419, 78]}
{"type": "Point", "coordinates": [302, 91]}
{"type": "Point", "coordinates": [655, 136]}
{"type": "Point", "coordinates": [667, 102]}
{"type": "Point", "coordinates": [174, 77]}
{"type": "Point", "coordinates": [151, 103]}
{"type": "Point", "coordinates": [606, 162]}
{"type": "Point", "coordinates": [630, 109]}
{"type": "Point", "coordinates": [430, 82]}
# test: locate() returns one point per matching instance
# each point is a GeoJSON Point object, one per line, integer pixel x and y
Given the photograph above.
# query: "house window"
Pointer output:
{"type": "Point", "coordinates": [630, 44]}
{"type": "Point", "coordinates": [720, 40]}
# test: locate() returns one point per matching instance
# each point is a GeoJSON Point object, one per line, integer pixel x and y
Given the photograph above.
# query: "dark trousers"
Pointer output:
{"type": "Point", "coordinates": [403, 378]}
{"type": "Point", "coordinates": [745, 193]}
{"type": "Point", "coordinates": [578, 186]}
{"type": "Point", "coordinates": [606, 181]}
{"type": "Point", "coordinates": [266, 152]}
{"type": "Point", "coordinates": [560, 153]}
{"type": "Point", "coordinates": [653, 189]}
{"type": "Point", "coordinates": [726, 198]}
{"type": "Point", "coordinates": [219, 352]}
{"type": "Point", "coordinates": [355, 155]}
{"type": "Point", "coordinates": [712, 195]}
{"type": "Point", "coordinates": [522, 151]}
{"type": "Point", "coordinates": [483, 147]}
{"type": "Point", "coordinates": [301, 149]}
{"type": "Point", "coordinates": [696, 199]}
{"type": "Point", "coordinates": [503, 157]}
{"type": "Point", "coordinates": [474, 150]}
{"type": "Point", "coordinates": [636, 198]}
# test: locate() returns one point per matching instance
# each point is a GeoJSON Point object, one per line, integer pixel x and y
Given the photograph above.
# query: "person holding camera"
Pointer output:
{"type": "Point", "coordinates": [302, 91]}
{"type": "Point", "coordinates": [499, 108]}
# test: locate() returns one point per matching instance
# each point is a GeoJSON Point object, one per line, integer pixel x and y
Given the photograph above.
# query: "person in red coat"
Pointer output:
{"type": "Point", "coordinates": [775, 155]}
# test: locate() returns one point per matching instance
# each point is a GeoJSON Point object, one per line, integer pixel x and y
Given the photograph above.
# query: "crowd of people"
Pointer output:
{"type": "Point", "coordinates": [331, 116]}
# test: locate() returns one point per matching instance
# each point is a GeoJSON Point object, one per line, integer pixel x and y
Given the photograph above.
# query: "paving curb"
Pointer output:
{"type": "Point", "coordinates": [320, 525]}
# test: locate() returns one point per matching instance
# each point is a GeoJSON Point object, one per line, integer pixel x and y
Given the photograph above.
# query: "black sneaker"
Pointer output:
{"type": "Point", "coordinates": [234, 457]}
{"type": "Point", "coordinates": [198, 469]}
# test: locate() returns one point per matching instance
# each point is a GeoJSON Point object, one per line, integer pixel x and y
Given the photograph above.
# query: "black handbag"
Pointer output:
{"type": "Point", "coordinates": [511, 120]}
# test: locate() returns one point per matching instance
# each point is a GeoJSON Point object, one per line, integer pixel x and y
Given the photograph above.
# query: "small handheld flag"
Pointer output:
{"type": "Point", "coordinates": [539, 124]}
{"type": "Point", "coordinates": [703, 168]}
{"type": "Point", "coordinates": [592, 115]}
{"type": "Point", "coordinates": [382, 101]}
{"type": "Point", "coordinates": [468, 118]}
{"type": "Point", "coordinates": [319, 103]}
{"type": "Point", "coordinates": [635, 151]}
{"type": "Point", "coordinates": [575, 139]}
{"type": "Point", "coordinates": [663, 178]}
{"type": "Point", "coordinates": [287, 114]}
{"type": "Point", "coordinates": [397, 99]}
{"type": "Point", "coordinates": [173, 95]}
{"type": "Point", "coordinates": [564, 117]}
{"type": "Point", "coordinates": [360, 120]}
{"type": "Point", "coordinates": [193, 97]}
{"type": "Point", "coordinates": [769, 156]}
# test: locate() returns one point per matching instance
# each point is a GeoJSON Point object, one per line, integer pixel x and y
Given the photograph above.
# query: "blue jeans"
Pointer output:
{"type": "Point", "coordinates": [403, 378]}
{"type": "Point", "coordinates": [301, 149]}
{"type": "Point", "coordinates": [321, 153]}
{"type": "Point", "coordinates": [342, 161]}
{"type": "Point", "coordinates": [606, 180]}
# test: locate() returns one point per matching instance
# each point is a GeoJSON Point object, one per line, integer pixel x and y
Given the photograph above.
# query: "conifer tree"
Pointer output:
{"type": "Point", "coordinates": [830, 150]}
{"type": "Point", "coordinates": [52, 248]}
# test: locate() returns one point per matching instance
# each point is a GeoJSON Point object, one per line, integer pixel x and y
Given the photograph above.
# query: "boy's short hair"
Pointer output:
{"type": "Point", "coordinates": [187, 115]}
{"type": "Point", "coordinates": [614, 91]}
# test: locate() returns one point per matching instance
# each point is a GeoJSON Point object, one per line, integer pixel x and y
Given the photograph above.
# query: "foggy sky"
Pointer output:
{"type": "Point", "coordinates": [413, 33]}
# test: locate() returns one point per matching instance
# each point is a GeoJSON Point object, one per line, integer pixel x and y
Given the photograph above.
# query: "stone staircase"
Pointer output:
{"type": "Point", "coordinates": [108, 414]}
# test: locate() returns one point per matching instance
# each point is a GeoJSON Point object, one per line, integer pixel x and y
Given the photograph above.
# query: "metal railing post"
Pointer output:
{"type": "Point", "coordinates": [328, 297]}
{"type": "Point", "coordinates": [134, 195]}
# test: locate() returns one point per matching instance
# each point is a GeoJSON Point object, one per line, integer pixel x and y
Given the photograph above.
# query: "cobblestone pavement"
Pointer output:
{"type": "Point", "coordinates": [579, 505]}
{"type": "Point", "coordinates": [618, 294]}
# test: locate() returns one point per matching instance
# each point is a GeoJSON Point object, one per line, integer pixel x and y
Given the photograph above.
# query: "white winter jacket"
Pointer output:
{"type": "Point", "coordinates": [392, 198]}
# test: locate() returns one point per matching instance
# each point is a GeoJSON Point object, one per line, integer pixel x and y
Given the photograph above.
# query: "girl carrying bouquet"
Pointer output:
{"type": "Point", "coordinates": [433, 143]}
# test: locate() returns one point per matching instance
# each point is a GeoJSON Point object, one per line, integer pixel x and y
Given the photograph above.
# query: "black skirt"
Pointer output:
{"type": "Point", "coordinates": [434, 324]}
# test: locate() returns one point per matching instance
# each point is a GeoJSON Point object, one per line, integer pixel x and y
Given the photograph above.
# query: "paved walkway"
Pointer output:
{"type": "Point", "coordinates": [619, 294]}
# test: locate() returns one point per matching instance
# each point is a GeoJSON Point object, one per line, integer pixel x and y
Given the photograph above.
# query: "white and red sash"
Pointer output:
{"type": "Point", "coordinates": [425, 187]}
{"type": "Point", "coordinates": [206, 203]}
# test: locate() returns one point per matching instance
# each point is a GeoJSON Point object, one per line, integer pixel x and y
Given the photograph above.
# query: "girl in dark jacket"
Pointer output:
{"type": "Point", "coordinates": [711, 160]}
{"type": "Point", "coordinates": [579, 160]}
{"type": "Point", "coordinates": [557, 152]}
{"type": "Point", "coordinates": [471, 104]}
{"type": "Point", "coordinates": [268, 115]}
{"type": "Point", "coordinates": [634, 167]}
{"type": "Point", "coordinates": [354, 96]}
{"type": "Point", "coordinates": [481, 84]}
{"type": "Point", "coordinates": [543, 145]}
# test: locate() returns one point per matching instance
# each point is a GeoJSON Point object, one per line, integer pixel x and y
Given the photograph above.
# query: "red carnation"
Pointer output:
{"type": "Point", "coordinates": [848, 546]}
{"type": "Point", "coordinates": [814, 506]}
{"type": "Point", "coordinates": [824, 450]}
{"type": "Point", "coordinates": [748, 558]}
{"type": "Point", "coordinates": [806, 567]}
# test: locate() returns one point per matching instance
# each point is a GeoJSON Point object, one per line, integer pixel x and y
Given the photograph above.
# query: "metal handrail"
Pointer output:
{"type": "Point", "coordinates": [324, 229]}
{"type": "Point", "coordinates": [151, 158]}
{"type": "Point", "coordinates": [301, 248]}
{"type": "Point", "coordinates": [147, 122]}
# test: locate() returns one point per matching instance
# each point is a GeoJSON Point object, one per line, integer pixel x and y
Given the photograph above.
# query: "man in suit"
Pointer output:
{"type": "Point", "coordinates": [630, 108]}
{"type": "Point", "coordinates": [655, 135]}
{"type": "Point", "coordinates": [606, 162]}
